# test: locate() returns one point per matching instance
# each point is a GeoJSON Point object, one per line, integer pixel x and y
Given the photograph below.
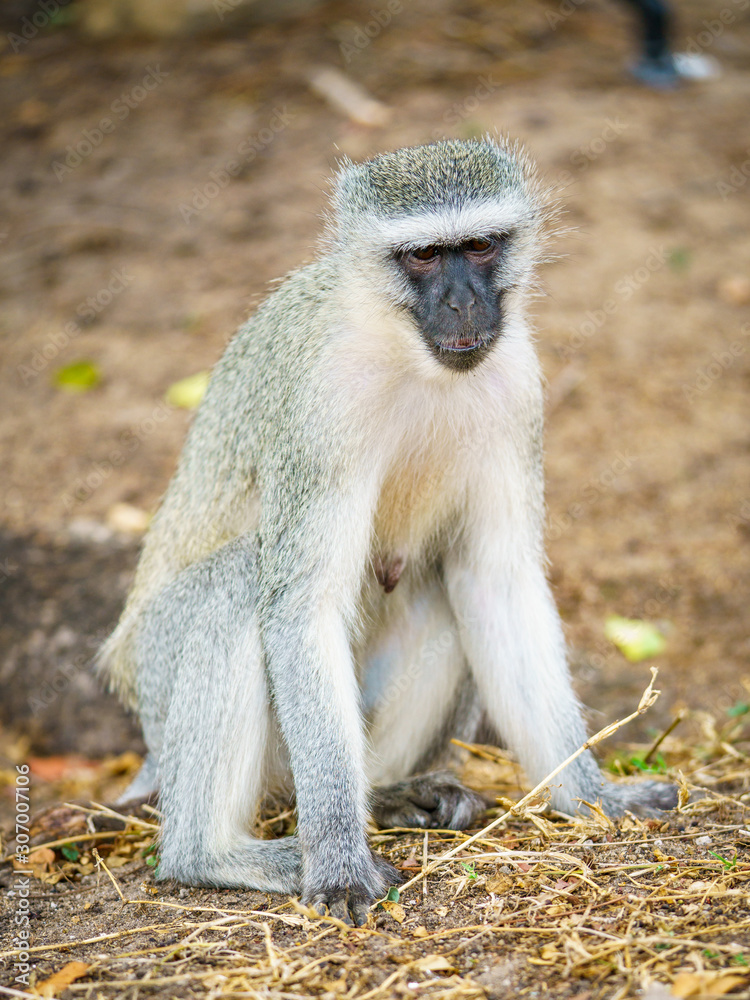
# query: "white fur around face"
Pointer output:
{"type": "Point", "coordinates": [423, 426]}
{"type": "Point", "coordinates": [451, 224]}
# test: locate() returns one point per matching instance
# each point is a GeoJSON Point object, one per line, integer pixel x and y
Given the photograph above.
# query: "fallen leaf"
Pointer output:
{"type": "Point", "coordinates": [563, 885]}
{"type": "Point", "coordinates": [117, 861]}
{"type": "Point", "coordinates": [59, 767]}
{"type": "Point", "coordinates": [411, 862]}
{"type": "Point", "coordinates": [60, 981]}
{"type": "Point", "coordinates": [58, 822]}
{"type": "Point", "coordinates": [394, 910]}
{"type": "Point", "coordinates": [500, 883]}
{"type": "Point", "coordinates": [433, 963]}
{"type": "Point", "coordinates": [188, 392]}
{"type": "Point", "coordinates": [41, 857]}
{"type": "Point", "coordinates": [127, 763]}
{"type": "Point", "coordinates": [40, 862]}
{"type": "Point", "coordinates": [80, 376]}
{"type": "Point", "coordinates": [690, 984]}
{"type": "Point", "coordinates": [637, 640]}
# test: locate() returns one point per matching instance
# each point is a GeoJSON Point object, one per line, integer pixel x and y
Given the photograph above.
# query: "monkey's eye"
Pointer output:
{"type": "Point", "coordinates": [478, 245]}
{"type": "Point", "coordinates": [425, 253]}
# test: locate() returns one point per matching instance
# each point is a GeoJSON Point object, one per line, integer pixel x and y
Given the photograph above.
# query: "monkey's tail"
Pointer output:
{"type": "Point", "coordinates": [145, 783]}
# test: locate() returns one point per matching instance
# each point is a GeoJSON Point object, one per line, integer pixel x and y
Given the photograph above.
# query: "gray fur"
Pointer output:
{"type": "Point", "coordinates": [257, 644]}
{"type": "Point", "coordinates": [455, 172]}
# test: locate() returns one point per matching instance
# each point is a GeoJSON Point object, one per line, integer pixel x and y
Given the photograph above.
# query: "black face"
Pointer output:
{"type": "Point", "coordinates": [458, 307]}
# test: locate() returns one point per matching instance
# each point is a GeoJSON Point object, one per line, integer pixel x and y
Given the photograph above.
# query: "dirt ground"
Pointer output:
{"type": "Point", "coordinates": [137, 253]}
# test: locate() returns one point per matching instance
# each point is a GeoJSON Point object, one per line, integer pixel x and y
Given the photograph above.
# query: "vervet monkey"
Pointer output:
{"type": "Point", "coordinates": [347, 569]}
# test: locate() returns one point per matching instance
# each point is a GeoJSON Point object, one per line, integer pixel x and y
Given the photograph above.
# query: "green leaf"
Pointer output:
{"type": "Point", "coordinates": [469, 868]}
{"type": "Point", "coordinates": [637, 640]}
{"type": "Point", "coordinates": [741, 708]}
{"type": "Point", "coordinates": [152, 858]}
{"type": "Point", "coordinates": [62, 18]}
{"type": "Point", "coordinates": [657, 764]}
{"type": "Point", "coordinates": [679, 259]}
{"type": "Point", "coordinates": [729, 865]}
{"type": "Point", "coordinates": [70, 852]}
{"type": "Point", "coordinates": [80, 376]}
{"type": "Point", "coordinates": [188, 392]}
{"type": "Point", "coordinates": [393, 895]}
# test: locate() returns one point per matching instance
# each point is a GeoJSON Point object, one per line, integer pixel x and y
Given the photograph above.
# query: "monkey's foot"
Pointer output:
{"type": "Point", "coordinates": [645, 798]}
{"type": "Point", "coordinates": [431, 801]}
{"type": "Point", "coordinates": [351, 904]}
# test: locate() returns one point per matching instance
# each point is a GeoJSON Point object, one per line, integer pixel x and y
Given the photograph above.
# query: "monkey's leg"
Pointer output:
{"type": "Point", "coordinates": [311, 555]}
{"type": "Point", "coordinates": [513, 640]}
{"type": "Point", "coordinates": [418, 695]}
{"type": "Point", "coordinates": [206, 716]}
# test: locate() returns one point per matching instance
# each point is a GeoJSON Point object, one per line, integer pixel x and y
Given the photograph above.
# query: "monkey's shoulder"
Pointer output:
{"type": "Point", "coordinates": [295, 306]}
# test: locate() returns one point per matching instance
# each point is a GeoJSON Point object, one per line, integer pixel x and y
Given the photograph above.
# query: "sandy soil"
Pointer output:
{"type": "Point", "coordinates": [643, 319]}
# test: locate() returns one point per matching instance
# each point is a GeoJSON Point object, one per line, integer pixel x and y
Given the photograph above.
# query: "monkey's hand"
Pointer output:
{"type": "Point", "coordinates": [351, 903]}
{"type": "Point", "coordinates": [436, 801]}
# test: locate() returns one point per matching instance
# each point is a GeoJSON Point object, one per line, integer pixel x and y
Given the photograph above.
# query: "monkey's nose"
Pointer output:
{"type": "Point", "coordinates": [461, 300]}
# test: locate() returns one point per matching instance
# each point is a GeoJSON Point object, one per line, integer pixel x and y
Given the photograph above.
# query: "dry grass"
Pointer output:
{"type": "Point", "coordinates": [534, 903]}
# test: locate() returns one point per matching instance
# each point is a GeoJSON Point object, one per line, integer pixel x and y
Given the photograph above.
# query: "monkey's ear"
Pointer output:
{"type": "Point", "coordinates": [351, 196]}
{"type": "Point", "coordinates": [348, 184]}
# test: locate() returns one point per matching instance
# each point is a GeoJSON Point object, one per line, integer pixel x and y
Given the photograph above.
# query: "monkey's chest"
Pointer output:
{"type": "Point", "coordinates": [413, 503]}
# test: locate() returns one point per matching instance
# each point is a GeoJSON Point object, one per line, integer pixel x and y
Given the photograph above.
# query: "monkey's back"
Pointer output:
{"type": "Point", "coordinates": [231, 448]}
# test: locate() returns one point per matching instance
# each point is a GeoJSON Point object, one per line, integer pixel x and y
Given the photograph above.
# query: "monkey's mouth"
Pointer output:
{"type": "Point", "coordinates": [462, 353]}
{"type": "Point", "coordinates": [463, 344]}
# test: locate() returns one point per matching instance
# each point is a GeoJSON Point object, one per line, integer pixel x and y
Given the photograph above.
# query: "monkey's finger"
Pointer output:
{"type": "Point", "coordinates": [338, 907]}
{"type": "Point", "coordinates": [458, 807]}
{"type": "Point", "coordinates": [425, 798]}
{"type": "Point", "coordinates": [361, 913]}
{"type": "Point", "coordinates": [410, 815]}
{"type": "Point", "coordinates": [319, 904]}
{"type": "Point", "coordinates": [388, 874]}
{"type": "Point", "coordinates": [350, 907]}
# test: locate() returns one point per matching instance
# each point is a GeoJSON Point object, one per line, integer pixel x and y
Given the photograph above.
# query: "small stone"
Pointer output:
{"type": "Point", "coordinates": [84, 529]}
{"type": "Point", "coordinates": [734, 289]}
{"type": "Point", "coordinates": [128, 519]}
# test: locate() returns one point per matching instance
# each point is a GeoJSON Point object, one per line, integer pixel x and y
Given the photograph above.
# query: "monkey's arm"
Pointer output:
{"type": "Point", "coordinates": [513, 640]}
{"type": "Point", "coordinates": [313, 548]}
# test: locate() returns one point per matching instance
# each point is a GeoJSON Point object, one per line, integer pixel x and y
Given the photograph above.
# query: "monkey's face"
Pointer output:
{"type": "Point", "coordinates": [455, 297]}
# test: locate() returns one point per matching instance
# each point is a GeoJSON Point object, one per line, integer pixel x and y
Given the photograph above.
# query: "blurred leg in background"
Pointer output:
{"type": "Point", "coordinates": [656, 65]}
